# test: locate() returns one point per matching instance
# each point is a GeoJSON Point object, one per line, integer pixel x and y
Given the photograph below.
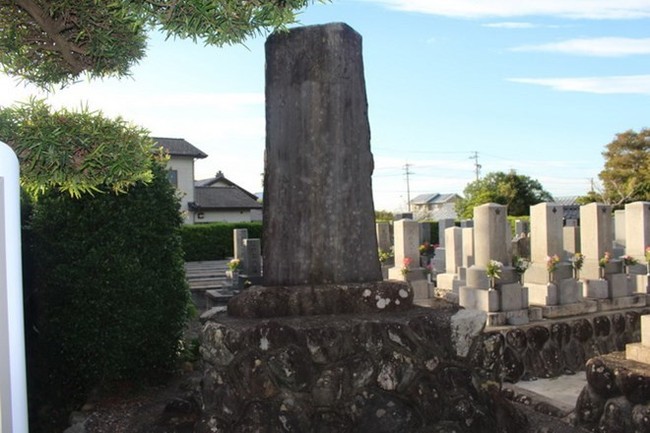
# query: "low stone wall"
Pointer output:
{"type": "Point", "coordinates": [401, 371]}
{"type": "Point", "coordinates": [617, 396]}
{"type": "Point", "coordinates": [555, 347]}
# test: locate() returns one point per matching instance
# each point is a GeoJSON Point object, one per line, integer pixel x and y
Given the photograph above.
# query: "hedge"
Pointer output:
{"type": "Point", "coordinates": [214, 241]}
{"type": "Point", "coordinates": [110, 287]}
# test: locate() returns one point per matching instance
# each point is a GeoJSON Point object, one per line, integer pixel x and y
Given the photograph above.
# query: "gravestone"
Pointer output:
{"type": "Point", "coordinates": [328, 347]}
{"type": "Point", "coordinates": [507, 302]}
{"type": "Point", "coordinates": [637, 233]}
{"type": "Point", "coordinates": [383, 236]}
{"type": "Point", "coordinates": [407, 237]}
{"type": "Point", "coordinates": [522, 227]}
{"type": "Point", "coordinates": [438, 262]}
{"type": "Point", "coordinates": [317, 181]}
{"type": "Point", "coordinates": [425, 233]}
{"type": "Point", "coordinates": [619, 232]}
{"type": "Point", "coordinates": [449, 280]}
{"type": "Point", "coordinates": [607, 284]}
{"type": "Point", "coordinates": [557, 292]}
{"type": "Point", "coordinates": [238, 237]}
{"type": "Point", "coordinates": [13, 386]}
{"type": "Point", "coordinates": [595, 237]}
{"type": "Point", "coordinates": [252, 258]}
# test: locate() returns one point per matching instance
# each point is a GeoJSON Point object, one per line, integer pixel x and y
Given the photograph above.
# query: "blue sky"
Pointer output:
{"type": "Point", "coordinates": [540, 87]}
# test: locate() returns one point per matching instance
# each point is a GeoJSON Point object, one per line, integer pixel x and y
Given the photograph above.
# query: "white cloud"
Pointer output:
{"type": "Point", "coordinates": [599, 47]}
{"type": "Point", "coordinates": [511, 25]}
{"type": "Point", "coordinates": [629, 84]}
{"type": "Point", "coordinates": [585, 9]}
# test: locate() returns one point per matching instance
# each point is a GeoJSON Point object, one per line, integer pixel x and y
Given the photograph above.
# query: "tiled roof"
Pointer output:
{"type": "Point", "coordinates": [179, 147]}
{"type": "Point", "coordinates": [219, 177]}
{"type": "Point", "coordinates": [567, 200]}
{"type": "Point", "coordinates": [207, 197]}
{"type": "Point", "coordinates": [433, 198]}
{"type": "Point", "coordinates": [424, 198]}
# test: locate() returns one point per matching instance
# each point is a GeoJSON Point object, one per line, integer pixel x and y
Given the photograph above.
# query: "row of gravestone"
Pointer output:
{"type": "Point", "coordinates": [568, 269]}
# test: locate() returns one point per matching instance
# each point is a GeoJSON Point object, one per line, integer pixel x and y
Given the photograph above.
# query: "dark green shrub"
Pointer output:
{"type": "Point", "coordinates": [111, 286]}
{"type": "Point", "coordinates": [214, 241]}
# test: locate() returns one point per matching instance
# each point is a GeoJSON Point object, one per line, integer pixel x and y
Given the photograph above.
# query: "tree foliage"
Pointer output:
{"type": "Point", "coordinates": [626, 174]}
{"type": "Point", "coordinates": [517, 191]}
{"type": "Point", "coordinates": [54, 41]}
{"type": "Point", "coordinates": [75, 152]}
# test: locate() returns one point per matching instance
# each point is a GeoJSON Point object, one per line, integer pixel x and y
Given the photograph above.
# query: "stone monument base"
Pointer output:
{"type": "Point", "coordinates": [595, 288]}
{"type": "Point", "coordinates": [566, 310]}
{"type": "Point", "coordinates": [616, 395]}
{"type": "Point", "coordinates": [380, 372]}
{"type": "Point", "coordinates": [448, 281]}
{"type": "Point", "coordinates": [633, 301]}
{"type": "Point", "coordinates": [515, 318]}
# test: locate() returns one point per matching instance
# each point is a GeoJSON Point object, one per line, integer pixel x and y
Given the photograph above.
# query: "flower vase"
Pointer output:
{"type": "Point", "coordinates": [493, 283]}
{"type": "Point", "coordinates": [576, 274]}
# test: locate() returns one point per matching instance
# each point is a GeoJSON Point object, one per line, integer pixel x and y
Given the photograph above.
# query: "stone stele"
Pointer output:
{"type": "Point", "coordinates": [319, 221]}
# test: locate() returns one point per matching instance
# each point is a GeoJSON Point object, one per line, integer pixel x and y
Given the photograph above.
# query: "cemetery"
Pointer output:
{"type": "Point", "coordinates": [308, 333]}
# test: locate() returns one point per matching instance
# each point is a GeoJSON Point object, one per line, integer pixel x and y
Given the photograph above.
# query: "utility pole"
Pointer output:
{"type": "Point", "coordinates": [407, 172]}
{"type": "Point", "coordinates": [477, 166]}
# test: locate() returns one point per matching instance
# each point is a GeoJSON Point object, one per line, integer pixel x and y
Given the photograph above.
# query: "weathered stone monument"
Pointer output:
{"type": "Point", "coordinates": [318, 132]}
{"type": "Point", "coordinates": [325, 345]}
{"type": "Point", "coordinates": [13, 385]}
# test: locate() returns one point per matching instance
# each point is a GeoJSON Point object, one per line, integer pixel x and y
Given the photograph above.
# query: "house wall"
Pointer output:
{"type": "Point", "coordinates": [233, 216]}
{"type": "Point", "coordinates": [184, 167]}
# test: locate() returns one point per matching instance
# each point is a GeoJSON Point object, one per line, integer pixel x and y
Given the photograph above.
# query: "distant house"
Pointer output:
{"type": "Point", "coordinates": [570, 207]}
{"type": "Point", "coordinates": [434, 206]}
{"type": "Point", "coordinates": [210, 200]}
{"type": "Point", "coordinates": [219, 199]}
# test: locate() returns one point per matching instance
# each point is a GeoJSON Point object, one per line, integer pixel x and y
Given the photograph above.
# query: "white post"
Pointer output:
{"type": "Point", "coordinates": [13, 384]}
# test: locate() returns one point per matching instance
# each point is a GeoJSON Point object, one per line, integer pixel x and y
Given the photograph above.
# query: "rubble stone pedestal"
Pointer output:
{"type": "Point", "coordinates": [402, 370]}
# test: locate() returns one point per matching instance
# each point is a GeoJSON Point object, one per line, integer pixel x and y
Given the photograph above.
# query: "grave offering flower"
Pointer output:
{"type": "Point", "coordinates": [577, 261]}
{"type": "Point", "coordinates": [494, 268]}
{"type": "Point", "coordinates": [406, 266]}
{"type": "Point", "coordinates": [647, 254]}
{"type": "Point", "coordinates": [426, 249]}
{"type": "Point", "coordinates": [551, 263]}
{"type": "Point", "coordinates": [234, 265]}
{"type": "Point", "coordinates": [605, 259]}
{"type": "Point", "coordinates": [428, 269]}
{"type": "Point", "coordinates": [520, 264]}
{"type": "Point", "coordinates": [629, 260]}
{"type": "Point", "coordinates": [384, 256]}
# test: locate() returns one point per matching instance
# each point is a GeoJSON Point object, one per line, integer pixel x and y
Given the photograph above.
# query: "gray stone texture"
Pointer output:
{"type": "Point", "coordinates": [554, 347]}
{"type": "Point", "coordinates": [319, 223]}
{"type": "Point", "coordinates": [354, 373]}
{"type": "Point", "coordinates": [637, 229]}
{"type": "Point", "coordinates": [279, 301]}
{"type": "Point", "coordinates": [617, 395]}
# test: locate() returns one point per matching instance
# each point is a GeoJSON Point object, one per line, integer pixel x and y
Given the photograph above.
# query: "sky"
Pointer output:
{"type": "Point", "coordinates": [536, 86]}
